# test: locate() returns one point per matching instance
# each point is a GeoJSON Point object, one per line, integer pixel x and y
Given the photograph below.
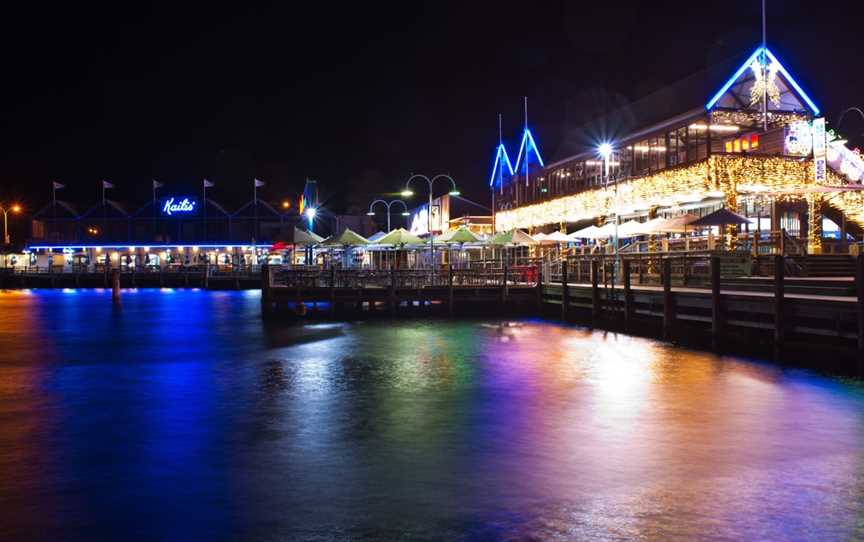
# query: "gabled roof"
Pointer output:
{"type": "Point", "coordinates": [679, 102]}
{"type": "Point", "coordinates": [735, 93]}
{"type": "Point", "coordinates": [53, 206]}
{"type": "Point", "coordinates": [107, 205]}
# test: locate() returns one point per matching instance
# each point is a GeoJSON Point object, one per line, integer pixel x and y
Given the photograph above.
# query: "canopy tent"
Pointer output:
{"type": "Point", "coordinates": [539, 236]}
{"type": "Point", "coordinates": [376, 236]}
{"type": "Point", "coordinates": [400, 237]}
{"type": "Point", "coordinates": [513, 237]}
{"type": "Point", "coordinates": [459, 236]}
{"type": "Point", "coordinates": [347, 238]}
{"type": "Point", "coordinates": [720, 217]}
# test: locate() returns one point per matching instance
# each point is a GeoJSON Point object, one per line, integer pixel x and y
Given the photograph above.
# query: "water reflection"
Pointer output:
{"type": "Point", "coordinates": [182, 415]}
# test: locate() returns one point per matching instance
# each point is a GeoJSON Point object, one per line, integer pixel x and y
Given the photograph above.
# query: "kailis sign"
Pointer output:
{"type": "Point", "coordinates": [179, 206]}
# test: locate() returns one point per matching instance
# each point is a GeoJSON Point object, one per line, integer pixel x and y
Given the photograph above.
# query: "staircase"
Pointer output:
{"type": "Point", "coordinates": [829, 265]}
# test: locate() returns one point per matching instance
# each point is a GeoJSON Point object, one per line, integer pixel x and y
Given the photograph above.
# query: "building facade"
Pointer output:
{"type": "Point", "coordinates": [756, 145]}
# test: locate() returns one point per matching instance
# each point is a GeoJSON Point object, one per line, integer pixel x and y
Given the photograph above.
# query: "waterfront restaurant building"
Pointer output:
{"type": "Point", "coordinates": [176, 230]}
{"type": "Point", "coordinates": [746, 137]}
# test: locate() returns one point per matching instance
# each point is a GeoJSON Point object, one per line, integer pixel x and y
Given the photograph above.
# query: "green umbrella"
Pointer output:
{"type": "Point", "coordinates": [345, 239]}
{"type": "Point", "coordinates": [305, 238]}
{"type": "Point", "coordinates": [513, 237]}
{"type": "Point", "coordinates": [400, 236]}
{"type": "Point", "coordinates": [460, 236]}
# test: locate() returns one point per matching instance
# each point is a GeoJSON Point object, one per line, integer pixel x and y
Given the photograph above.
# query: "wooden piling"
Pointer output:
{"type": "Point", "coordinates": [716, 305]}
{"type": "Point", "coordinates": [595, 292]}
{"type": "Point", "coordinates": [266, 290]}
{"type": "Point", "coordinates": [450, 289]}
{"type": "Point", "coordinates": [859, 292]}
{"type": "Point", "coordinates": [628, 295]}
{"type": "Point", "coordinates": [391, 293]}
{"type": "Point", "coordinates": [668, 300]}
{"type": "Point", "coordinates": [504, 285]}
{"type": "Point", "coordinates": [565, 290]}
{"type": "Point", "coordinates": [779, 319]}
{"type": "Point", "coordinates": [332, 291]}
{"type": "Point", "coordinates": [115, 285]}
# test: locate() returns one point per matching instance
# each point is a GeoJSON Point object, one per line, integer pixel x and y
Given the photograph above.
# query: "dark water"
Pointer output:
{"type": "Point", "coordinates": [181, 416]}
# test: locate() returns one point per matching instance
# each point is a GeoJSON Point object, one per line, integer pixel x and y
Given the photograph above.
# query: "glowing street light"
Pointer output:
{"type": "Point", "coordinates": [431, 182]}
{"type": "Point", "coordinates": [15, 209]}
{"type": "Point", "coordinates": [388, 205]}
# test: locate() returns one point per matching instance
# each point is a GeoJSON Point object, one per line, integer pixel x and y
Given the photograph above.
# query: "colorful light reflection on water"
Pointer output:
{"type": "Point", "coordinates": [180, 415]}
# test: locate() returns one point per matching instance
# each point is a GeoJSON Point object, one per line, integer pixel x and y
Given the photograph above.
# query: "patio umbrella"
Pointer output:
{"type": "Point", "coordinates": [722, 217]}
{"type": "Point", "coordinates": [347, 238]}
{"type": "Point", "coordinates": [376, 236]}
{"type": "Point", "coordinates": [513, 237]}
{"type": "Point", "coordinates": [539, 236]}
{"type": "Point", "coordinates": [400, 237]}
{"type": "Point", "coordinates": [459, 236]}
{"type": "Point", "coordinates": [586, 233]}
{"type": "Point", "coordinates": [678, 224]}
{"type": "Point", "coordinates": [554, 238]}
{"type": "Point", "coordinates": [305, 238]}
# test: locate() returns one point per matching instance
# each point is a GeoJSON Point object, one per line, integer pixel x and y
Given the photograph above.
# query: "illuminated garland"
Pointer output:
{"type": "Point", "coordinates": [719, 174]}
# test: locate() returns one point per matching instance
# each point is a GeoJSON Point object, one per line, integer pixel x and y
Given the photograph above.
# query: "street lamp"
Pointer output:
{"type": "Point", "coordinates": [15, 209]}
{"type": "Point", "coordinates": [431, 182]}
{"type": "Point", "coordinates": [387, 205]}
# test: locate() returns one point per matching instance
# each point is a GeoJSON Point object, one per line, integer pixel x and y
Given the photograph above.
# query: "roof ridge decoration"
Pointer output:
{"type": "Point", "coordinates": [527, 139]}
{"type": "Point", "coordinates": [784, 94]}
{"type": "Point", "coordinates": [497, 169]}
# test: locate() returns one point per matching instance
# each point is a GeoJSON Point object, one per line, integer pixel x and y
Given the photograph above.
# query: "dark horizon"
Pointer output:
{"type": "Point", "coordinates": [358, 99]}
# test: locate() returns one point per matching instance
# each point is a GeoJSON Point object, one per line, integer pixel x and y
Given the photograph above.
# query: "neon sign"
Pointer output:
{"type": "Point", "coordinates": [184, 206]}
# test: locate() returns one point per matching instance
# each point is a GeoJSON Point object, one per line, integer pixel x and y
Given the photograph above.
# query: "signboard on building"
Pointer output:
{"type": "Point", "coordinates": [419, 220]}
{"type": "Point", "coordinates": [178, 206]}
{"type": "Point", "coordinates": [820, 144]}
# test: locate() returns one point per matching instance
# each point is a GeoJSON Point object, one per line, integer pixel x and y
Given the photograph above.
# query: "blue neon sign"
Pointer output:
{"type": "Point", "coordinates": [178, 206]}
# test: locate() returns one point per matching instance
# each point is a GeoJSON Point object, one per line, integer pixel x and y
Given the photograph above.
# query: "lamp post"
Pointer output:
{"type": "Point", "coordinates": [387, 205]}
{"type": "Point", "coordinates": [605, 151]}
{"type": "Point", "coordinates": [431, 182]}
{"type": "Point", "coordinates": [15, 209]}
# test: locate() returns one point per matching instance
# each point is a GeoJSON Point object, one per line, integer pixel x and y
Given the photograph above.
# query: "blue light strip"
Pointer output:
{"type": "Point", "coordinates": [794, 83]}
{"type": "Point", "coordinates": [527, 137]}
{"type": "Point", "coordinates": [155, 247]}
{"type": "Point", "coordinates": [744, 67]}
{"type": "Point", "coordinates": [501, 152]}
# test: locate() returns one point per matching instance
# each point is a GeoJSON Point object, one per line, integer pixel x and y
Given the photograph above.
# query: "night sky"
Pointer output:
{"type": "Point", "coordinates": [357, 96]}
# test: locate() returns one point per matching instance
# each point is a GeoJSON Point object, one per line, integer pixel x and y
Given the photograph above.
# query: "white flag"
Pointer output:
{"type": "Point", "coordinates": [157, 184]}
{"type": "Point", "coordinates": [58, 186]}
{"type": "Point", "coordinates": [207, 184]}
{"type": "Point", "coordinates": [258, 184]}
{"type": "Point", "coordinates": [106, 184]}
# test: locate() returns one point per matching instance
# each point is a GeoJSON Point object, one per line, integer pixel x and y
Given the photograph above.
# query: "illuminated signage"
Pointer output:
{"type": "Point", "coordinates": [820, 142]}
{"type": "Point", "coordinates": [178, 206]}
{"type": "Point", "coordinates": [800, 138]}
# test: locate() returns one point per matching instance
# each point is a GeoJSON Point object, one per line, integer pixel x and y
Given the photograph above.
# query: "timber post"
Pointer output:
{"type": "Point", "coordinates": [595, 292]}
{"type": "Point", "coordinates": [115, 285]}
{"type": "Point", "coordinates": [506, 278]}
{"type": "Point", "coordinates": [266, 290]}
{"type": "Point", "coordinates": [779, 323]}
{"type": "Point", "coordinates": [332, 291]}
{"type": "Point", "coordinates": [716, 306]}
{"type": "Point", "coordinates": [565, 290]}
{"type": "Point", "coordinates": [391, 293]}
{"type": "Point", "coordinates": [450, 289]}
{"type": "Point", "coordinates": [859, 292]}
{"type": "Point", "coordinates": [206, 276]}
{"type": "Point", "coordinates": [668, 300]}
{"type": "Point", "coordinates": [628, 295]}
{"type": "Point", "coordinates": [539, 287]}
